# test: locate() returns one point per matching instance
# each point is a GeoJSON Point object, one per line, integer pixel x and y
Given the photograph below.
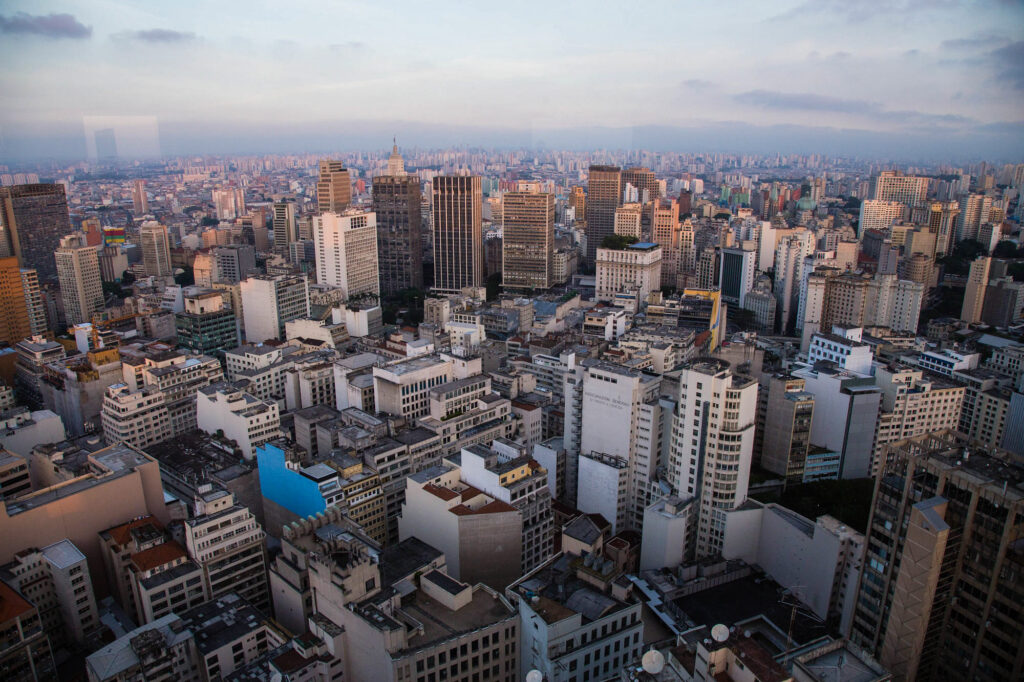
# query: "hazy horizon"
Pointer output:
{"type": "Point", "coordinates": [913, 81]}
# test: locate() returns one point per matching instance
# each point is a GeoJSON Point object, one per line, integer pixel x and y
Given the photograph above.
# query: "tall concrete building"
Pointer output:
{"type": "Point", "coordinates": [942, 219]}
{"type": "Point", "coordinates": [578, 202]}
{"type": "Point", "coordinates": [34, 218]}
{"type": "Point", "coordinates": [528, 239]}
{"type": "Point", "coordinates": [629, 220]}
{"type": "Point", "coordinates": [974, 212]}
{"type": "Point", "coordinates": [285, 228]}
{"type": "Point", "coordinates": [635, 267]}
{"type": "Point", "coordinates": [974, 293]}
{"type": "Point", "coordinates": [644, 181]}
{"type": "Point", "coordinates": [665, 231]}
{"type": "Point", "coordinates": [604, 195]}
{"type": "Point", "coordinates": [346, 252]}
{"type": "Point", "coordinates": [397, 203]}
{"type": "Point", "coordinates": [876, 214]}
{"type": "Point", "coordinates": [940, 590]}
{"type": "Point", "coordinates": [712, 446]}
{"type": "Point", "coordinates": [457, 205]}
{"type": "Point", "coordinates": [789, 413]}
{"type": "Point", "coordinates": [156, 249]}
{"type": "Point", "coordinates": [15, 323]}
{"type": "Point", "coordinates": [140, 202]}
{"type": "Point", "coordinates": [908, 190]}
{"type": "Point", "coordinates": [81, 288]}
{"type": "Point", "coordinates": [334, 188]}
{"type": "Point", "coordinates": [269, 301]}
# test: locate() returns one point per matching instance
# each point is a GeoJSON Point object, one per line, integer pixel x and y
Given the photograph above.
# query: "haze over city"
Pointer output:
{"type": "Point", "coordinates": [913, 79]}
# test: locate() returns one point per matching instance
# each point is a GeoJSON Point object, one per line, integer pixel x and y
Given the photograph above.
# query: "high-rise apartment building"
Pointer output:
{"type": "Point", "coordinates": [876, 214]}
{"type": "Point", "coordinates": [908, 190]}
{"type": "Point", "coordinates": [81, 288]}
{"type": "Point", "coordinates": [156, 249]}
{"type": "Point", "coordinates": [35, 217]}
{"type": "Point", "coordinates": [974, 293]}
{"type": "Point", "coordinates": [15, 322]}
{"type": "Point", "coordinates": [974, 212]}
{"type": "Point", "coordinates": [712, 445]}
{"type": "Point", "coordinates": [942, 219]}
{"type": "Point", "coordinates": [604, 195]}
{"type": "Point", "coordinates": [285, 229]}
{"type": "Point", "coordinates": [628, 220]}
{"type": "Point", "coordinates": [665, 231]}
{"type": "Point", "coordinates": [232, 263]}
{"type": "Point", "coordinates": [635, 267]}
{"type": "Point", "coordinates": [397, 203]}
{"type": "Point", "coordinates": [789, 414]}
{"type": "Point", "coordinates": [140, 202]}
{"type": "Point", "coordinates": [346, 252]}
{"type": "Point", "coordinates": [940, 590]}
{"type": "Point", "coordinates": [334, 188]}
{"type": "Point", "coordinates": [644, 181]}
{"type": "Point", "coordinates": [457, 205]}
{"type": "Point", "coordinates": [269, 301]}
{"type": "Point", "coordinates": [578, 203]}
{"type": "Point", "coordinates": [528, 239]}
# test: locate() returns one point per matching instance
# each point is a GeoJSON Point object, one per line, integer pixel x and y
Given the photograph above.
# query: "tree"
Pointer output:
{"type": "Point", "coordinates": [617, 241]}
{"type": "Point", "coordinates": [1005, 249]}
{"type": "Point", "coordinates": [185, 278]}
{"type": "Point", "coordinates": [127, 278]}
{"type": "Point", "coordinates": [208, 221]}
{"type": "Point", "coordinates": [493, 286]}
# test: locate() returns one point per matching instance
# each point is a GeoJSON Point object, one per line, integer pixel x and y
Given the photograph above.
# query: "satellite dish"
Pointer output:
{"type": "Point", "coordinates": [720, 633]}
{"type": "Point", "coordinates": [535, 676]}
{"type": "Point", "coordinates": [653, 662]}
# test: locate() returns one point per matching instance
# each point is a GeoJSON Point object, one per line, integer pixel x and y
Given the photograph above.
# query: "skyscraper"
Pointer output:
{"type": "Point", "coordinates": [334, 189]}
{"type": "Point", "coordinates": [643, 179]}
{"type": "Point", "coordinates": [140, 202]}
{"type": "Point", "coordinates": [578, 202]}
{"type": "Point", "coordinates": [528, 239]}
{"type": "Point", "coordinates": [396, 201]}
{"type": "Point", "coordinates": [285, 231]}
{"type": "Point", "coordinates": [34, 303]}
{"type": "Point", "coordinates": [346, 252]}
{"type": "Point", "coordinates": [156, 249]}
{"type": "Point", "coordinates": [35, 217]}
{"type": "Point", "coordinates": [457, 202]}
{"type": "Point", "coordinates": [974, 293]}
{"type": "Point", "coordinates": [909, 190]}
{"type": "Point", "coordinates": [665, 231]}
{"type": "Point", "coordinates": [78, 269]}
{"type": "Point", "coordinates": [604, 195]}
{"type": "Point", "coordinates": [14, 315]}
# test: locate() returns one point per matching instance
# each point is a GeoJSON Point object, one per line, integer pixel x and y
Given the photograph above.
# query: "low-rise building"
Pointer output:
{"type": "Point", "coordinates": [228, 409]}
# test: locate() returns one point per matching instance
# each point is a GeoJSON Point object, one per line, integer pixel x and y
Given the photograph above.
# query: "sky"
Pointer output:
{"type": "Point", "coordinates": [925, 79]}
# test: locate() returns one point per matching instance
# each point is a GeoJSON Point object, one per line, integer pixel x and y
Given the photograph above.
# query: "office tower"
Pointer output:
{"type": "Point", "coordinates": [156, 249]}
{"type": "Point", "coordinates": [224, 203]}
{"type": "Point", "coordinates": [878, 215]}
{"type": "Point", "coordinates": [974, 293]}
{"type": "Point", "coordinates": [15, 322]}
{"type": "Point", "coordinates": [528, 239]}
{"type": "Point", "coordinates": [908, 190]}
{"type": "Point", "coordinates": [346, 252]}
{"type": "Point", "coordinates": [140, 202]}
{"type": "Point", "coordinates": [284, 226]}
{"type": "Point", "coordinates": [636, 267]}
{"type": "Point", "coordinates": [397, 203]}
{"type": "Point", "coordinates": [644, 181]}
{"type": "Point", "coordinates": [789, 258]}
{"type": "Point", "coordinates": [940, 591]}
{"type": "Point", "coordinates": [232, 263]}
{"type": "Point", "coordinates": [604, 195]}
{"type": "Point", "coordinates": [942, 220]}
{"type": "Point", "coordinates": [334, 188]}
{"type": "Point", "coordinates": [974, 212]}
{"type": "Point", "coordinates": [578, 202]}
{"type": "Point", "coordinates": [458, 232]}
{"type": "Point", "coordinates": [665, 231]}
{"type": "Point", "coordinates": [78, 270]}
{"type": "Point", "coordinates": [269, 301]}
{"type": "Point", "coordinates": [207, 325]}
{"type": "Point", "coordinates": [628, 219]}
{"type": "Point", "coordinates": [789, 414]}
{"type": "Point", "coordinates": [35, 217]}
{"type": "Point", "coordinates": [396, 164]}
{"type": "Point", "coordinates": [736, 274]}
{"type": "Point", "coordinates": [711, 447]}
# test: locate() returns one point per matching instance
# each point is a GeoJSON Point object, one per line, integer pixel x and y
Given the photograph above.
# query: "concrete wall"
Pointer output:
{"type": "Point", "coordinates": [598, 490]}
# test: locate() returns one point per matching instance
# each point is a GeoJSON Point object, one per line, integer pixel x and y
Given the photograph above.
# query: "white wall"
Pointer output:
{"type": "Point", "coordinates": [598, 490]}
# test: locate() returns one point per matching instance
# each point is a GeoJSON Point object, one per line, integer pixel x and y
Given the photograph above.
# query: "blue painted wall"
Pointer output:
{"type": "Point", "coordinates": [288, 488]}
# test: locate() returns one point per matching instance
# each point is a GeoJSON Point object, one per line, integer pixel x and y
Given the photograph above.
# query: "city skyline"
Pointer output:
{"type": "Point", "coordinates": [915, 81]}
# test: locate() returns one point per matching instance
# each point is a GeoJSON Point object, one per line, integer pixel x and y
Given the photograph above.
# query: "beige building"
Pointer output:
{"type": "Point", "coordinates": [628, 221]}
{"type": "Point", "coordinates": [665, 231]}
{"type": "Point", "coordinates": [346, 252]}
{"type": "Point", "coordinates": [879, 215]}
{"type": "Point", "coordinates": [908, 190]}
{"type": "Point", "coordinates": [974, 294]}
{"type": "Point", "coordinates": [637, 266]}
{"type": "Point", "coordinates": [333, 189]}
{"type": "Point", "coordinates": [481, 537]}
{"type": "Point", "coordinates": [156, 249]}
{"type": "Point", "coordinates": [81, 288]}
{"type": "Point", "coordinates": [403, 388]}
{"type": "Point", "coordinates": [528, 239]}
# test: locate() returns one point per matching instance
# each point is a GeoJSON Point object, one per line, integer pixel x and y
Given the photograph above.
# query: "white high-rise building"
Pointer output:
{"type": "Point", "coordinates": [346, 252]}
{"type": "Point", "coordinates": [712, 446]}
{"type": "Point", "coordinates": [908, 190]}
{"type": "Point", "coordinates": [269, 301]}
{"type": "Point", "coordinates": [974, 212]}
{"type": "Point", "coordinates": [789, 259]}
{"type": "Point", "coordinates": [78, 271]}
{"type": "Point", "coordinates": [156, 249]}
{"type": "Point", "coordinates": [878, 215]}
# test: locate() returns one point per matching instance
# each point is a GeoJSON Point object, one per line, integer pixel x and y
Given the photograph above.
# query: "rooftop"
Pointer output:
{"type": "Point", "coordinates": [222, 621]}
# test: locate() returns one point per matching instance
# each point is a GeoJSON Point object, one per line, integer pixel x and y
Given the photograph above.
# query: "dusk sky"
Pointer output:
{"type": "Point", "coordinates": [935, 78]}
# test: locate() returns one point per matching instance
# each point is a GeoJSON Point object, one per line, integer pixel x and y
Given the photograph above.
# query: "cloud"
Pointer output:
{"type": "Point", "coordinates": [48, 25]}
{"type": "Point", "coordinates": [1010, 63]}
{"type": "Point", "coordinates": [787, 101]}
{"type": "Point", "coordinates": [348, 45]}
{"type": "Point", "coordinates": [974, 42]}
{"type": "Point", "coordinates": [697, 84]}
{"type": "Point", "coordinates": [858, 11]}
{"type": "Point", "coordinates": [156, 35]}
